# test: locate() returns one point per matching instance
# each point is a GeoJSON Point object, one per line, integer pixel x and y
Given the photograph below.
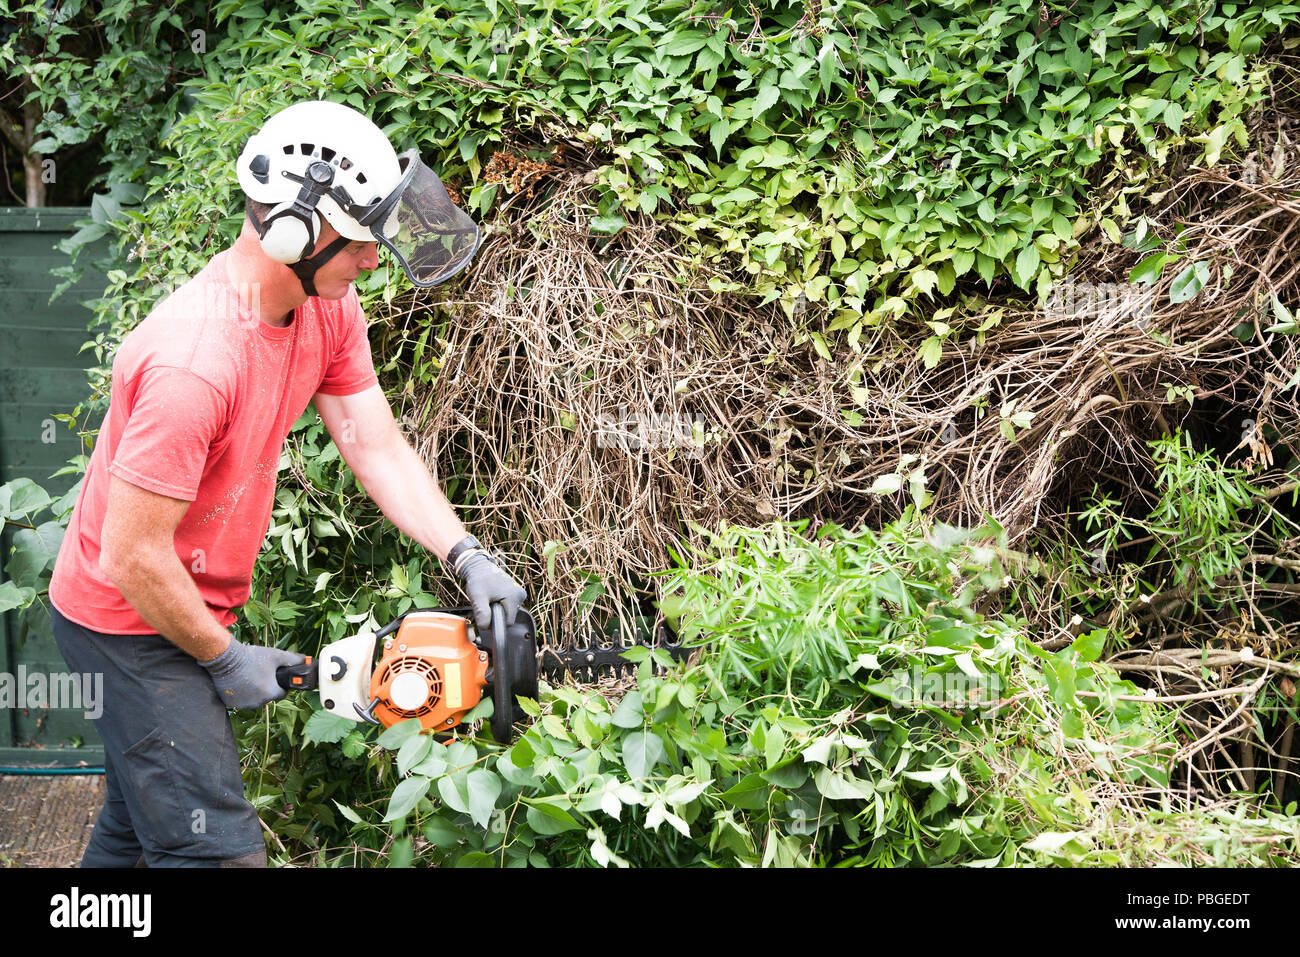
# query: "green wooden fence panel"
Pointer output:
{"type": "Point", "coordinates": [41, 373]}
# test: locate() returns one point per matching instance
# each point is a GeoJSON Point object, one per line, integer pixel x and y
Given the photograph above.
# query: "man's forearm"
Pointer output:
{"type": "Point", "coordinates": [400, 484]}
{"type": "Point", "coordinates": [166, 597]}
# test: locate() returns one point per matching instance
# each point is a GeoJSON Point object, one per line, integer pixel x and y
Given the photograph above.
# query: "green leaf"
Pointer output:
{"type": "Point", "coordinates": [1286, 322]}
{"type": "Point", "coordinates": [547, 819]}
{"type": "Point", "coordinates": [522, 754]}
{"type": "Point", "coordinates": [326, 728]}
{"type": "Point", "coordinates": [348, 813]}
{"type": "Point", "coordinates": [819, 751]}
{"type": "Point", "coordinates": [11, 596]}
{"type": "Point", "coordinates": [1060, 677]}
{"type": "Point", "coordinates": [773, 745]}
{"type": "Point", "coordinates": [454, 789]}
{"type": "Point", "coordinates": [413, 750]}
{"type": "Point", "coordinates": [788, 774]}
{"type": "Point", "coordinates": [641, 752]}
{"type": "Point", "coordinates": [1049, 842]}
{"type": "Point", "coordinates": [886, 484]}
{"type": "Point", "coordinates": [929, 775]}
{"type": "Point", "coordinates": [1149, 269]}
{"type": "Point", "coordinates": [396, 736]}
{"type": "Point", "coordinates": [719, 130]}
{"type": "Point", "coordinates": [749, 794]}
{"type": "Point", "coordinates": [406, 795]}
{"type": "Point", "coordinates": [607, 225]}
{"type": "Point", "coordinates": [34, 551]}
{"type": "Point", "coordinates": [484, 788]}
{"type": "Point", "coordinates": [1027, 265]}
{"type": "Point", "coordinates": [630, 712]}
{"type": "Point", "coordinates": [401, 853]}
{"type": "Point", "coordinates": [685, 42]}
{"type": "Point", "coordinates": [924, 280]}
{"type": "Point", "coordinates": [931, 351]}
{"type": "Point", "coordinates": [1189, 282]}
{"type": "Point", "coordinates": [767, 97]}
{"type": "Point", "coordinates": [483, 709]}
{"type": "Point", "coordinates": [1090, 646]}
{"type": "Point", "coordinates": [742, 195]}
{"type": "Point", "coordinates": [435, 765]}
{"type": "Point", "coordinates": [21, 497]}
{"type": "Point", "coordinates": [836, 786]}
{"type": "Point", "coordinates": [1214, 141]}
{"type": "Point", "coordinates": [440, 833]}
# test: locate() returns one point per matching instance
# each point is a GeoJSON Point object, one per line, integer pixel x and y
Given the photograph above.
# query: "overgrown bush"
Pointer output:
{"type": "Point", "coordinates": [862, 158]}
{"type": "Point", "coordinates": [847, 707]}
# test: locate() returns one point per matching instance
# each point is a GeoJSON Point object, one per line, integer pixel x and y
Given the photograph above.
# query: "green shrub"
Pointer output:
{"type": "Point", "coordinates": [847, 708]}
{"type": "Point", "coordinates": [854, 156]}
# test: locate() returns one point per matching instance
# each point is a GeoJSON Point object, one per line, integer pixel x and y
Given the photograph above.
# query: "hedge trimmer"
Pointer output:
{"type": "Point", "coordinates": [434, 666]}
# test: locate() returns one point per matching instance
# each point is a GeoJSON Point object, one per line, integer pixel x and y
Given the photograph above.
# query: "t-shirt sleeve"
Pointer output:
{"type": "Point", "coordinates": [351, 369]}
{"type": "Point", "coordinates": [175, 417]}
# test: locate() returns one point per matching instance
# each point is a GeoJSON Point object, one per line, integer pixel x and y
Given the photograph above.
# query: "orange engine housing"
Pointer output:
{"type": "Point", "coordinates": [429, 670]}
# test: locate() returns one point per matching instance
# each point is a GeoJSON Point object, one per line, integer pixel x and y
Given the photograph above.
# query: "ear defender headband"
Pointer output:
{"type": "Point", "coordinates": [289, 231]}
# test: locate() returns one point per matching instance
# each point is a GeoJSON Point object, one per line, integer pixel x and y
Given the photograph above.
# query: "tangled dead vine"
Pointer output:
{"type": "Point", "coordinates": [600, 397]}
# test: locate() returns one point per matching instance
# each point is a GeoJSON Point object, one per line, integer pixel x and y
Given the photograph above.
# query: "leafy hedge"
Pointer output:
{"type": "Point", "coordinates": [857, 155]}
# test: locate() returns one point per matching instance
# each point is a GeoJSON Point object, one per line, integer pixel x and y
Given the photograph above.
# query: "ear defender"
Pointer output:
{"type": "Point", "coordinates": [289, 231]}
{"type": "Point", "coordinates": [287, 236]}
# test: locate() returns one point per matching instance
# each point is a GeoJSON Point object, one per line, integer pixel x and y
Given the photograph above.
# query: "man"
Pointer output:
{"type": "Point", "coordinates": [178, 494]}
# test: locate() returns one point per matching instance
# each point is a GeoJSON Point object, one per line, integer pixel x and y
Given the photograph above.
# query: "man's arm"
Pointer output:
{"type": "Point", "coordinates": [138, 554]}
{"type": "Point", "coordinates": [393, 475]}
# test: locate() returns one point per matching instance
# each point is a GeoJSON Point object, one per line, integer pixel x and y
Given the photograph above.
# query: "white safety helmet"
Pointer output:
{"type": "Point", "coordinates": [321, 158]}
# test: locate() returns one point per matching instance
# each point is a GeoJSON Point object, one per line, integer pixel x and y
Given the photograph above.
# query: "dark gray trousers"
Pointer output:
{"type": "Point", "coordinates": [175, 795]}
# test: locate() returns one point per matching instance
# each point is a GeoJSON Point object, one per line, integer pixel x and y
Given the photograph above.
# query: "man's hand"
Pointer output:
{"type": "Point", "coordinates": [245, 674]}
{"type": "Point", "coordinates": [485, 583]}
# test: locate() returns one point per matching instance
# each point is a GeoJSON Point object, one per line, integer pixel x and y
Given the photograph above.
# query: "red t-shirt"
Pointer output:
{"type": "Point", "coordinates": [204, 393]}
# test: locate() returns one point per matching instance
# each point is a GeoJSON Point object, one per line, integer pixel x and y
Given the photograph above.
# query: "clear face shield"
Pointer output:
{"type": "Point", "coordinates": [431, 237]}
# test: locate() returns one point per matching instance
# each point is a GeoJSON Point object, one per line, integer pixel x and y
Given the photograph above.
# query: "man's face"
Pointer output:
{"type": "Point", "coordinates": [336, 276]}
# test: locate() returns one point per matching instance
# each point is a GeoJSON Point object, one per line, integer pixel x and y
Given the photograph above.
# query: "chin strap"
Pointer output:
{"type": "Point", "coordinates": [304, 269]}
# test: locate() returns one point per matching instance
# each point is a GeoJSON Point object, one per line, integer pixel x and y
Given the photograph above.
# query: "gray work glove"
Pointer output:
{"type": "Point", "coordinates": [245, 674]}
{"type": "Point", "coordinates": [485, 582]}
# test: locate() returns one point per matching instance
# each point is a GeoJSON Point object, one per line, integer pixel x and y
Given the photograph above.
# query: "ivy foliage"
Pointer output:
{"type": "Point", "coordinates": [105, 71]}
{"type": "Point", "coordinates": [861, 157]}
